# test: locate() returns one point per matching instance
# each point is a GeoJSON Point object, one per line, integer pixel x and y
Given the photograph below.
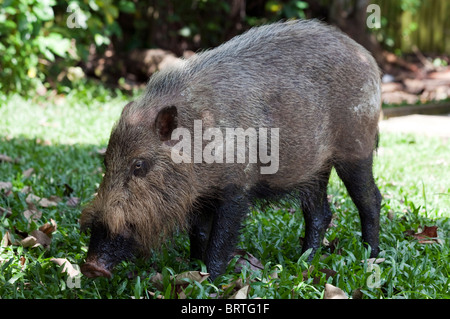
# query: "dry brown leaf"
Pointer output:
{"type": "Point", "coordinates": [157, 280]}
{"type": "Point", "coordinates": [181, 281]}
{"type": "Point", "coordinates": [246, 257]}
{"type": "Point", "coordinates": [42, 238]}
{"type": "Point", "coordinates": [198, 276]}
{"type": "Point", "coordinates": [48, 228]}
{"type": "Point", "coordinates": [43, 202]}
{"type": "Point", "coordinates": [6, 188]}
{"type": "Point", "coordinates": [316, 278]}
{"type": "Point", "coordinates": [328, 272]}
{"type": "Point", "coordinates": [28, 172]}
{"type": "Point", "coordinates": [5, 158]}
{"type": "Point", "coordinates": [73, 202]}
{"type": "Point", "coordinates": [31, 214]}
{"type": "Point", "coordinates": [6, 241]}
{"type": "Point", "coordinates": [68, 268]}
{"type": "Point", "coordinates": [236, 284]}
{"type": "Point", "coordinates": [241, 293]}
{"type": "Point", "coordinates": [26, 190]}
{"type": "Point", "coordinates": [31, 200]}
{"type": "Point", "coordinates": [36, 238]}
{"type": "Point", "coordinates": [153, 295]}
{"type": "Point", "coordinates": [29, 241]}
{"type": "Point", "coordinates": [428, 235]}
{"type": "Point", "coordinates": [332, 292]}
{"type": "Point", "coordinates": [55, 199]}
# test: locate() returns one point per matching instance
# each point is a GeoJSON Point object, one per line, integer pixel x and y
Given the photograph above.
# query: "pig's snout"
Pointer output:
{"type": "Point", "coordinates": [93, 269]}
{"type": "Point", "coordinates": [105, 252]}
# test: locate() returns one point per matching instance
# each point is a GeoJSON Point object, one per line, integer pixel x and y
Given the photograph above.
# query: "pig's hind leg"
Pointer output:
{"type": "Point", "coordinates": [358, 179]}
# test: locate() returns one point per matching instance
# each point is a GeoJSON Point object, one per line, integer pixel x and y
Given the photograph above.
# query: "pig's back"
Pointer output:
{"type": "Point", "coordinates": [319, 87]}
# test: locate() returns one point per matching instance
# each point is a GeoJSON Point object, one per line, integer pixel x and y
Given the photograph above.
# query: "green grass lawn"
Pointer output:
{"type": "Point", "coordinates": [60, 141]}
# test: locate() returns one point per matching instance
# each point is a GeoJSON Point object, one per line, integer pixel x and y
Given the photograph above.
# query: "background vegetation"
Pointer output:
{"type": "Point", "coordinates": [44, 42]}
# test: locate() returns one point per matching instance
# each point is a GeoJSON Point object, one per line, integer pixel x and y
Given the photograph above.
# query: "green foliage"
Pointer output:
{"type": "Point", "coordinates": [43, 41]}
{"type": "Point", "coordinates": [41, 38]}
{"type": "Point", "coordinates": [25, 39]}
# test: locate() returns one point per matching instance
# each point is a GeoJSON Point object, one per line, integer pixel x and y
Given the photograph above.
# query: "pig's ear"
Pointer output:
{"type": "Point", "coordinates": [166, 121]}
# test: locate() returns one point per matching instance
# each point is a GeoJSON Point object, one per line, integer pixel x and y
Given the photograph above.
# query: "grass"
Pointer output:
{"type": "Point", "coordinates": [60, 141]}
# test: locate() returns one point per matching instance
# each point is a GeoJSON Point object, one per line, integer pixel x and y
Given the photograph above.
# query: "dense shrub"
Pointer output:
{"type": "Point", "coordinates": [41, 41]}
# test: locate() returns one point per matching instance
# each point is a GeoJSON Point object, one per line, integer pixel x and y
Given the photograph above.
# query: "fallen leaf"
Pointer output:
{"type": "Point", "coordinates": [32, 214]}
{"type": "Point", "coordinates": [180, 281]}
{"type": "Point", "coordinates": [316, 278]}
{"type": "Point", "coordinates": [42, 238]}
{"type": "Point", "coordinates": [48, 228]}
{"type": "Point", "coordinates": [73, 202]}
{"type": "Point", "coordinates": [26, 190]}
{"type": "Point", "coordinates": [29, 241]}
{"type": "Point", "coordinates": [6, 241]}
{"type": "Point", "coordinates": [241, 293]}
{"type": "Point", "coordinates": [236, 284]}
{"type": "Point", "coordinates": [246, 257]}
{"type": "Point", "coordinates": [157, 280]}
{"type": "Point", "coordinates": [55, 199]}
{"type": "Point", "coordinates": [428, 235]}
{"type": "Point", "coordinates": [28, 172]}
{"type": "Point", "coordinates": [328, 272]}
{"type": "Point", "coordinates": [68, 268]}
{"type": "Point", "coordinates": [6, 188]}
{"type": "Point", "coordinates": [332, 292]}
{"type": "Point", "coordinates": [5, 158]}
{"type": "Point", "coordinates": [36, 238]}
{"type": "Point", "coordinates": [43, 202]}
{"type": "Point", "coordinates": [154, 294]}
{"type": "Point", "coordinates": [198, 276]}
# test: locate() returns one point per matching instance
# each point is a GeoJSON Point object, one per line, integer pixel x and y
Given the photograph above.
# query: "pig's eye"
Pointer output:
{"type": "Point", "coordinates": [140, 168]}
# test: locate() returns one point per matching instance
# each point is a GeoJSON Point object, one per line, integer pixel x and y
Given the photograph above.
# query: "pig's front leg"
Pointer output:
{"type": "Point", "coordinates": [200, 229]}
{"type": "Point", "coordinates": [226, 224]}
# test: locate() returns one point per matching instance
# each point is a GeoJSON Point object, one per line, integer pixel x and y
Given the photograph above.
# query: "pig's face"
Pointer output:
{"type": "Point", "coordinates": [144, 196]}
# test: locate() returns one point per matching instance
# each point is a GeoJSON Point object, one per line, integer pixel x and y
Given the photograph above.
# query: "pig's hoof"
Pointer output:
{"type": "Point", "coordinates": [93, 270]}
